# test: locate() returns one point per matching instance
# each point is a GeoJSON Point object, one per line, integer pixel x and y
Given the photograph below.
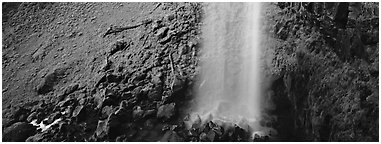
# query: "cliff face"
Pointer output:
{"type": "Point", "coordinates": [125, 72]}
{"type": "Point", "coordinates": [326, 58]}
{"type": "Point", "coordinates": [101, 71]}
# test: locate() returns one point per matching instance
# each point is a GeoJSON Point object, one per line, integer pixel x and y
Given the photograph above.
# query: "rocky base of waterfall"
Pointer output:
{"type": "Point", "coordinates": [125, 72]}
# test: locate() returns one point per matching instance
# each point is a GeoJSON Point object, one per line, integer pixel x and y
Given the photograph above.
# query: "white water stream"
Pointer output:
{"type": "Point", "coordinates": [228, 90]}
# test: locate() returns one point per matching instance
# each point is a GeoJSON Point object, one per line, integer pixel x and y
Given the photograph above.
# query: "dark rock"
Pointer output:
{"type": "Point", "coordinates": [18, 132]}
{"type": "Point", "coordinates": [113, 125]}
{"type": "Point", "coordinates": [341, 17]}
{"type": "Point", "coordinates": [155, 93]}
{"type": "Point", "coordinates": [149, 124]}
{"type": "Point", "coordinates": [7, 122]}
{"type": "Point", "coordinates": [178, 84]}
{"type": "Point", "coordinates": [166, 111]}
{"type": "Point", "coordinates": [131, 133]}
{"type": "Point", "coordinates": [114, 78]}
{"type": "Point", "coordinates": [62, 127]}
{"type": "Point", "coordinates": [20, 113]}
{"type": "Point", "coordinates": [23, 117]}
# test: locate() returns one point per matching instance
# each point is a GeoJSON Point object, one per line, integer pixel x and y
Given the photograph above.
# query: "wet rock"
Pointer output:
{"type": "Point", "coordinates": [162, 32]}
{"type": "Point", "coordinates": [166, 111]}
{"type": "Point", "coordinates": [18, 132]}
{"type": "Point", "coordinates": [52, 117]}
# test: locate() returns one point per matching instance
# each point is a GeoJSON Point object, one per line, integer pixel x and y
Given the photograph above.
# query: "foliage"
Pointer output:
{"type": "Point", "coordinates": [333, 70]}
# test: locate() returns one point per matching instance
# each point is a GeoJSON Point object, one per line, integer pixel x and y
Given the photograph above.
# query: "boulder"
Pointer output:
{"type": "Point", "coordinates": [18, 132]}
{"type": "Point", "coordinates": [51, 79]}
{"type": "Point", "coordinates": [162, 32]}
{"type": "Point", "coordinates": [166, 111]}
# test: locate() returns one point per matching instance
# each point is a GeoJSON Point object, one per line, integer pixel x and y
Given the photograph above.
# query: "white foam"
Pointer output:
{"type": "Point", "coordinates": [41, 126]}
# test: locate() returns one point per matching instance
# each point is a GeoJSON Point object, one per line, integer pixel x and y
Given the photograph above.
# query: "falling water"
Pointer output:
{"type": "Point", "coordinates": [229, 85]}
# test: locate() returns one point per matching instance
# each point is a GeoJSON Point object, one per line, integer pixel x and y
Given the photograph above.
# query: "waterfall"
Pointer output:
{"type": "Point", "coordinates": [228, 89]}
